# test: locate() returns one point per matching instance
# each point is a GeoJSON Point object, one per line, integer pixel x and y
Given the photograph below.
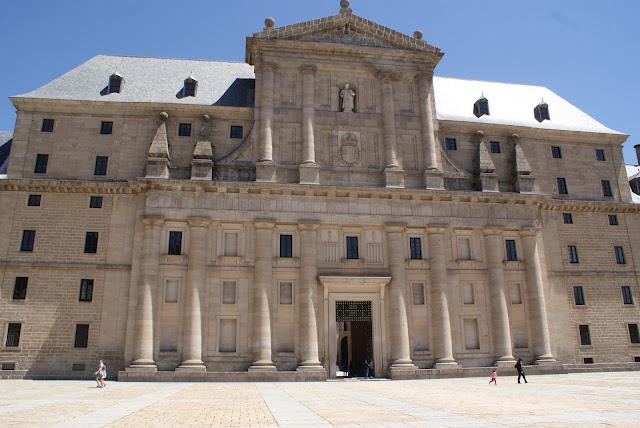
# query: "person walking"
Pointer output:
{"type": "Point", "coordinates": [494, 377]}
{"type": "Point", "coordinates": [104, 375]}
{"type": "Point", "coordinates": [520, 370]}
{"type": "Point", "coordinates": [100, 372]}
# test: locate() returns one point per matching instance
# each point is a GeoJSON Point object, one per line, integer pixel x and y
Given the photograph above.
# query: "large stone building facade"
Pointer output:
{"type": "Point", "coordinates": [328, 203]}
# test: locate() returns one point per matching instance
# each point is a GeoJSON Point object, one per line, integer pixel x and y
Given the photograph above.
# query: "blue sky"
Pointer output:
{"type": "Point", "coordinates": [584, 50]}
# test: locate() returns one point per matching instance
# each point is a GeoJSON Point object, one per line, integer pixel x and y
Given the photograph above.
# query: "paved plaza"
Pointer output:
{"type": "Point", "coordinates": [599, 399]}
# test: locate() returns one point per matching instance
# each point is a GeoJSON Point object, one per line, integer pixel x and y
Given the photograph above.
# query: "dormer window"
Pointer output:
{"type": "Point", "coordinates": [541, 112]}
{"type": "Point", "coordinates": [115, 84]}
{"type": "Point", "coordinates": [481, 107]}
{"type": "Point", "coordinates": [190, 87]}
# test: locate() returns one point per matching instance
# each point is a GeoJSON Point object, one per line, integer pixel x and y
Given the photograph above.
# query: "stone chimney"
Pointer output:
{"type": "Point", "coordinates": [637, 147]}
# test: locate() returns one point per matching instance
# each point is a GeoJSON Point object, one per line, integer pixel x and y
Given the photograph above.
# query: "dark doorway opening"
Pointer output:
{"type": "Point", "coordinates": [355, 339]}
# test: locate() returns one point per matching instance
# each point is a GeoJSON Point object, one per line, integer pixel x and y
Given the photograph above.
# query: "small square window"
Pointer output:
{"type": "Point", "coordinates": [418, 294]}
{"type": "Point", "coordinates": [587, 360]}
{"type": "Point", "coordinates": [286, 293]}
{"type": "Point", "coordinates": [450, 144]}
{"type": "Point", "coordinates": [567, 218]}
{"type": "Point", "coordinates": [415, 248]}
{"type": "Point", "coordinates": [41, 164]}
{"type": "Point", "coordinates": [175, 243]}
{"type": "Point", "coordinates": [634, 334]}
{"type": "Point", "coordinates": [47, 125]}
{"type": "Point", "coordinates": [82, 336]}
{"type": "Point", "coordinates": [184, 130]}
{"type": "Point", "coordinates": [627, 297]}
{"type": "Point", "coordinates": [236, 132]}
{"type": "Point", "coordinates": [510, 246]}
{"type": "Point", "coordinates": [286, 246]}
{"type": "Point", "coordinates": [578, 295]}
{"type": "Point", "coordinates": [28, 239]}
{"type": "Point", "coordinates": [229, 292]}
{"type": "Point", "coordinates": [556, 152]}
{"type": "Point", "coordinates": [20, 288]}
{"type": "Point", "coordinates": [106, 128]}
{"type": "Point", "coordinates": [495, 146]}
{"type": "Point", "coordinates": [91, 243]}
{"type": "Point", "coordinates": [619, 252]}
{"type": "Point", "coordinates": [636, 359]}
{"type": "Point", "coordinates": [613, 220]}
{"type": "Point", "coordinates": [562, 186]}
{"type": "Point", "coordinates": [585, 335]}
{"type": "Point", "coordinates": [102, 163]}
{"type": "Point", "coordinates": [13, 335]}
{"type": "Point", "coordinates": [352, 247]}
{"type": "Point", "coordinates": [573, 254]}
{"type": "Point", "coordinates": [606, 188]}
{"type": "Point", "coordinates": [86, 290]}
{"type": "Point", "coordinates": [600, 155]}
{"type": "Point", "coordinates": [95, 202]}
{"type": "Point", "coordinates": [34, 200]}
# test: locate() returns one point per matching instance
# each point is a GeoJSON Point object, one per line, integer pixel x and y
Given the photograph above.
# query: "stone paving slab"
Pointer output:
{"type": "Point", "coordinates": [587, 400]}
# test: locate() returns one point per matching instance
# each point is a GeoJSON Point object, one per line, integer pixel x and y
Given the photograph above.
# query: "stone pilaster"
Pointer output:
{"type": "Point", "coordinates": [442, 344]}
{"type": "Point", "coordinates": [394, 175]}
{"type": "Point", "coordinates": [536, 299]}
{"type": "Point", "coordinates": [143, 343]}
{"type": "Point", "coordinates": [500, 328]}
{"type": "Point", "coordinates": [401, 364]}
{"type": "Point", "coordinates": [309, 362]}
{"type": "Point", "coordinates": [524, 180]}
{"type": "Point", "coordinates": [265, 168]}
{"type": "Point", "coordinates": [262, 287]}
{"type": "Point", "coordinates": [196, 274]}
{"type": "Point", "coordinates": [309, 170]}
{"type": "Point", "coordinates": [433, 177]}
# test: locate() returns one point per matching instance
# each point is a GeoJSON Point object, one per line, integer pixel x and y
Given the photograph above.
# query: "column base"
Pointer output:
{"type": "Point", "coordinates": [311, 372]}
{"type": "Point", "coordinates": [546, 360]}
{"type": "Point", "coordinates": [265, 171]}
{"type": "Point", "coordinates": [142, 366]}
{"type": "Point", "coordinates": [505, 362]}
{"type": "Point", "coordinates": [403, 371]}
{"type": "Point", "coordinates": [394, 177]}
{"type": "Point", "coordinates": [309, 173]}
{"type": "Point", "coordinates": [433, 179]}
{"type": "Point", "coordinates": [192, 366]}
{"type": "Point", "coordinates": [489, 182]}
{"type": "Point", "coordinates": [445, 364]}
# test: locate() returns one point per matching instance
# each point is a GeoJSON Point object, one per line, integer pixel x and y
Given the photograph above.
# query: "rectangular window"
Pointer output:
{"type": "Point", "coordinates": [450, 144]}
{"type": "Point", "coordinates": [86, 290]}
{"type": "Point", "coordinates": [464, 248]}
{"type": "Point", "coordinates": [82, 336]}
{"type": "Point", "coordinates": [171, 288]}
{"type": "Point", "coordinates": [495, 146]}
{"type": "Point", "coordinates": [184, 130]}
{"type": "Point", "coordinates": [34, 200]}
{"type": "Point", "coordinates": [47, 125]}
{"type": "Point", "coordinates": [106, 128]}
{"type": "Point", "coordinates": [95, 202]}
{"type": "Point", "coordinates": [619, 252]}
{"type": "Point", "coordinates": [573, 254]}
{"type": "Point", "coordinates": [41, 164]}
{"type": "Point", "coordinates": [556, 153]}
{"type": "Point", "coordinates": [91, 243]}
{"type": "Point", "coordinates": [627, 297]}
{"type": "Point", "coordinates": [13, 335]}
{"type": "Point", "coordinates": [352, 247]}
{"type": "Point", "coordinates": [286, 246]}
{"type": "Point", "coordinates": [606, 189]}
{"type": "Point", "coordinates": [418, 294]}
{"type": "Point", "coordinates": [585, 335]}
{"type": "Point", "coordinates": [510, 245]}
{"type": "Point", "coordinates": [600, 155]}
{"type": "Point", "coordinates": [578, 295]}
{"type": "Point", "coordinates": [286, 293]}
{"type": "Point", "coordinates": [228, 292]}
{"type": "Point", "coordinates": [567, 218]}
{"type": "Point", "coordinates": [562, 186]}
{"type": "Point", "coordinates": [28, 239]}
{"type": "Point", "coordinates": [236, 132]}
{"type": "Point", "coordinates": [587, 360]}
{"type": "Point", "coordinates": [634, 335]}
{"type": "Point", "coordinates": [415, 248]}
{"type": "Point", "coordinates": [613, 220]}
{"type": "Point", "coordinates": [101, 165]}
{"type": "Point", "coordinates": [20, 288]}
{"type": "Point", "coordinates": [175, 243]}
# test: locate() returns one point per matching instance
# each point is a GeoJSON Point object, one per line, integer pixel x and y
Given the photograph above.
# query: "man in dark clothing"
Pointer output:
{"type": "Point", "coordinates": [520, 370]}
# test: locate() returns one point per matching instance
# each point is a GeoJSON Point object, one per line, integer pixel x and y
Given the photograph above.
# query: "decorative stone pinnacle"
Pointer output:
{"type": "Point", "coordinates": [269, 22]}
{"type": "Point", "coordinates": [164, 116]}
{"type": "Point", "coordinates": [417, 34]}
{"type": "Point", "coordinates": [344, 6]}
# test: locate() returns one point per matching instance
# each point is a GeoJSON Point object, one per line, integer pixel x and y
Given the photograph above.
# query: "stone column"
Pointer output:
{"type": "Point", "coordinates": [401, 365]}
{"type": "Point", "coordinates": [192, 338]}
{"type": "Point", "coordinates": [265, 168]}
{"type": "Point", "coordinates": [262, 287]}
{"type": "Point", "coordinates": [307, 318]}
{"type": "Point", "coordinates": [143, 344]}
{"type": "Point", "coordinates": [394, 176]}
{"type": "Point", "coordinates": [535, 296]}
{"type": "Point", "coordinates": [433, 177]}
{"type": "Point", "coordinates": [309, 170]}
{"type": "Point", "coordinates": [500, 329]}
{"type": "Point", "coordinates": [442, 345]}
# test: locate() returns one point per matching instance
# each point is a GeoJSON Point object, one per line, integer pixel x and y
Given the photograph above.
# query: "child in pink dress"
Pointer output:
{"type": "Point", "coordinates": [494, 378]}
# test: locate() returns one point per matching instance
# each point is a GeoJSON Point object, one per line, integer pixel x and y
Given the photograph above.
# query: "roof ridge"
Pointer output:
{"type": "Point", "coordinates": [170, 58]}
{"type": "Point", "coordinates": [492, 81]}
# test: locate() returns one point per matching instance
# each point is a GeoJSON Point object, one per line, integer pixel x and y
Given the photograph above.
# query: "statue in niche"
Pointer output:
{"type": "Point", "coordinates": [347, 95]}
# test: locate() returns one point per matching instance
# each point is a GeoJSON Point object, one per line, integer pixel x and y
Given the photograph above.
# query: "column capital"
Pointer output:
{"type": "Point", "coordinates": [437, 229]}
{"type": "Point", "coordinates": [492, 230]}
{"type": "Point", "coordinates": [199, 221]}
{"type": "Point", "coordinates": [153, 219]}
{"type": "Point", "coordinates": [308, 224]}
{"type": "Point", "coordinates": [264, 223]}
{"type": "Point", "coordinates": [529, 232]}
{"type": "Point", "coordinates": [394, 227]}
{"type": "Point", "coordinates": [308, 68]}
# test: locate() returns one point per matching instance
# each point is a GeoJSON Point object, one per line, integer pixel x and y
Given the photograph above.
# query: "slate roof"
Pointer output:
{"type": "Point", "coordinates": [160, 80]}
{"type": "Point", "coordinates": [6, 138]}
